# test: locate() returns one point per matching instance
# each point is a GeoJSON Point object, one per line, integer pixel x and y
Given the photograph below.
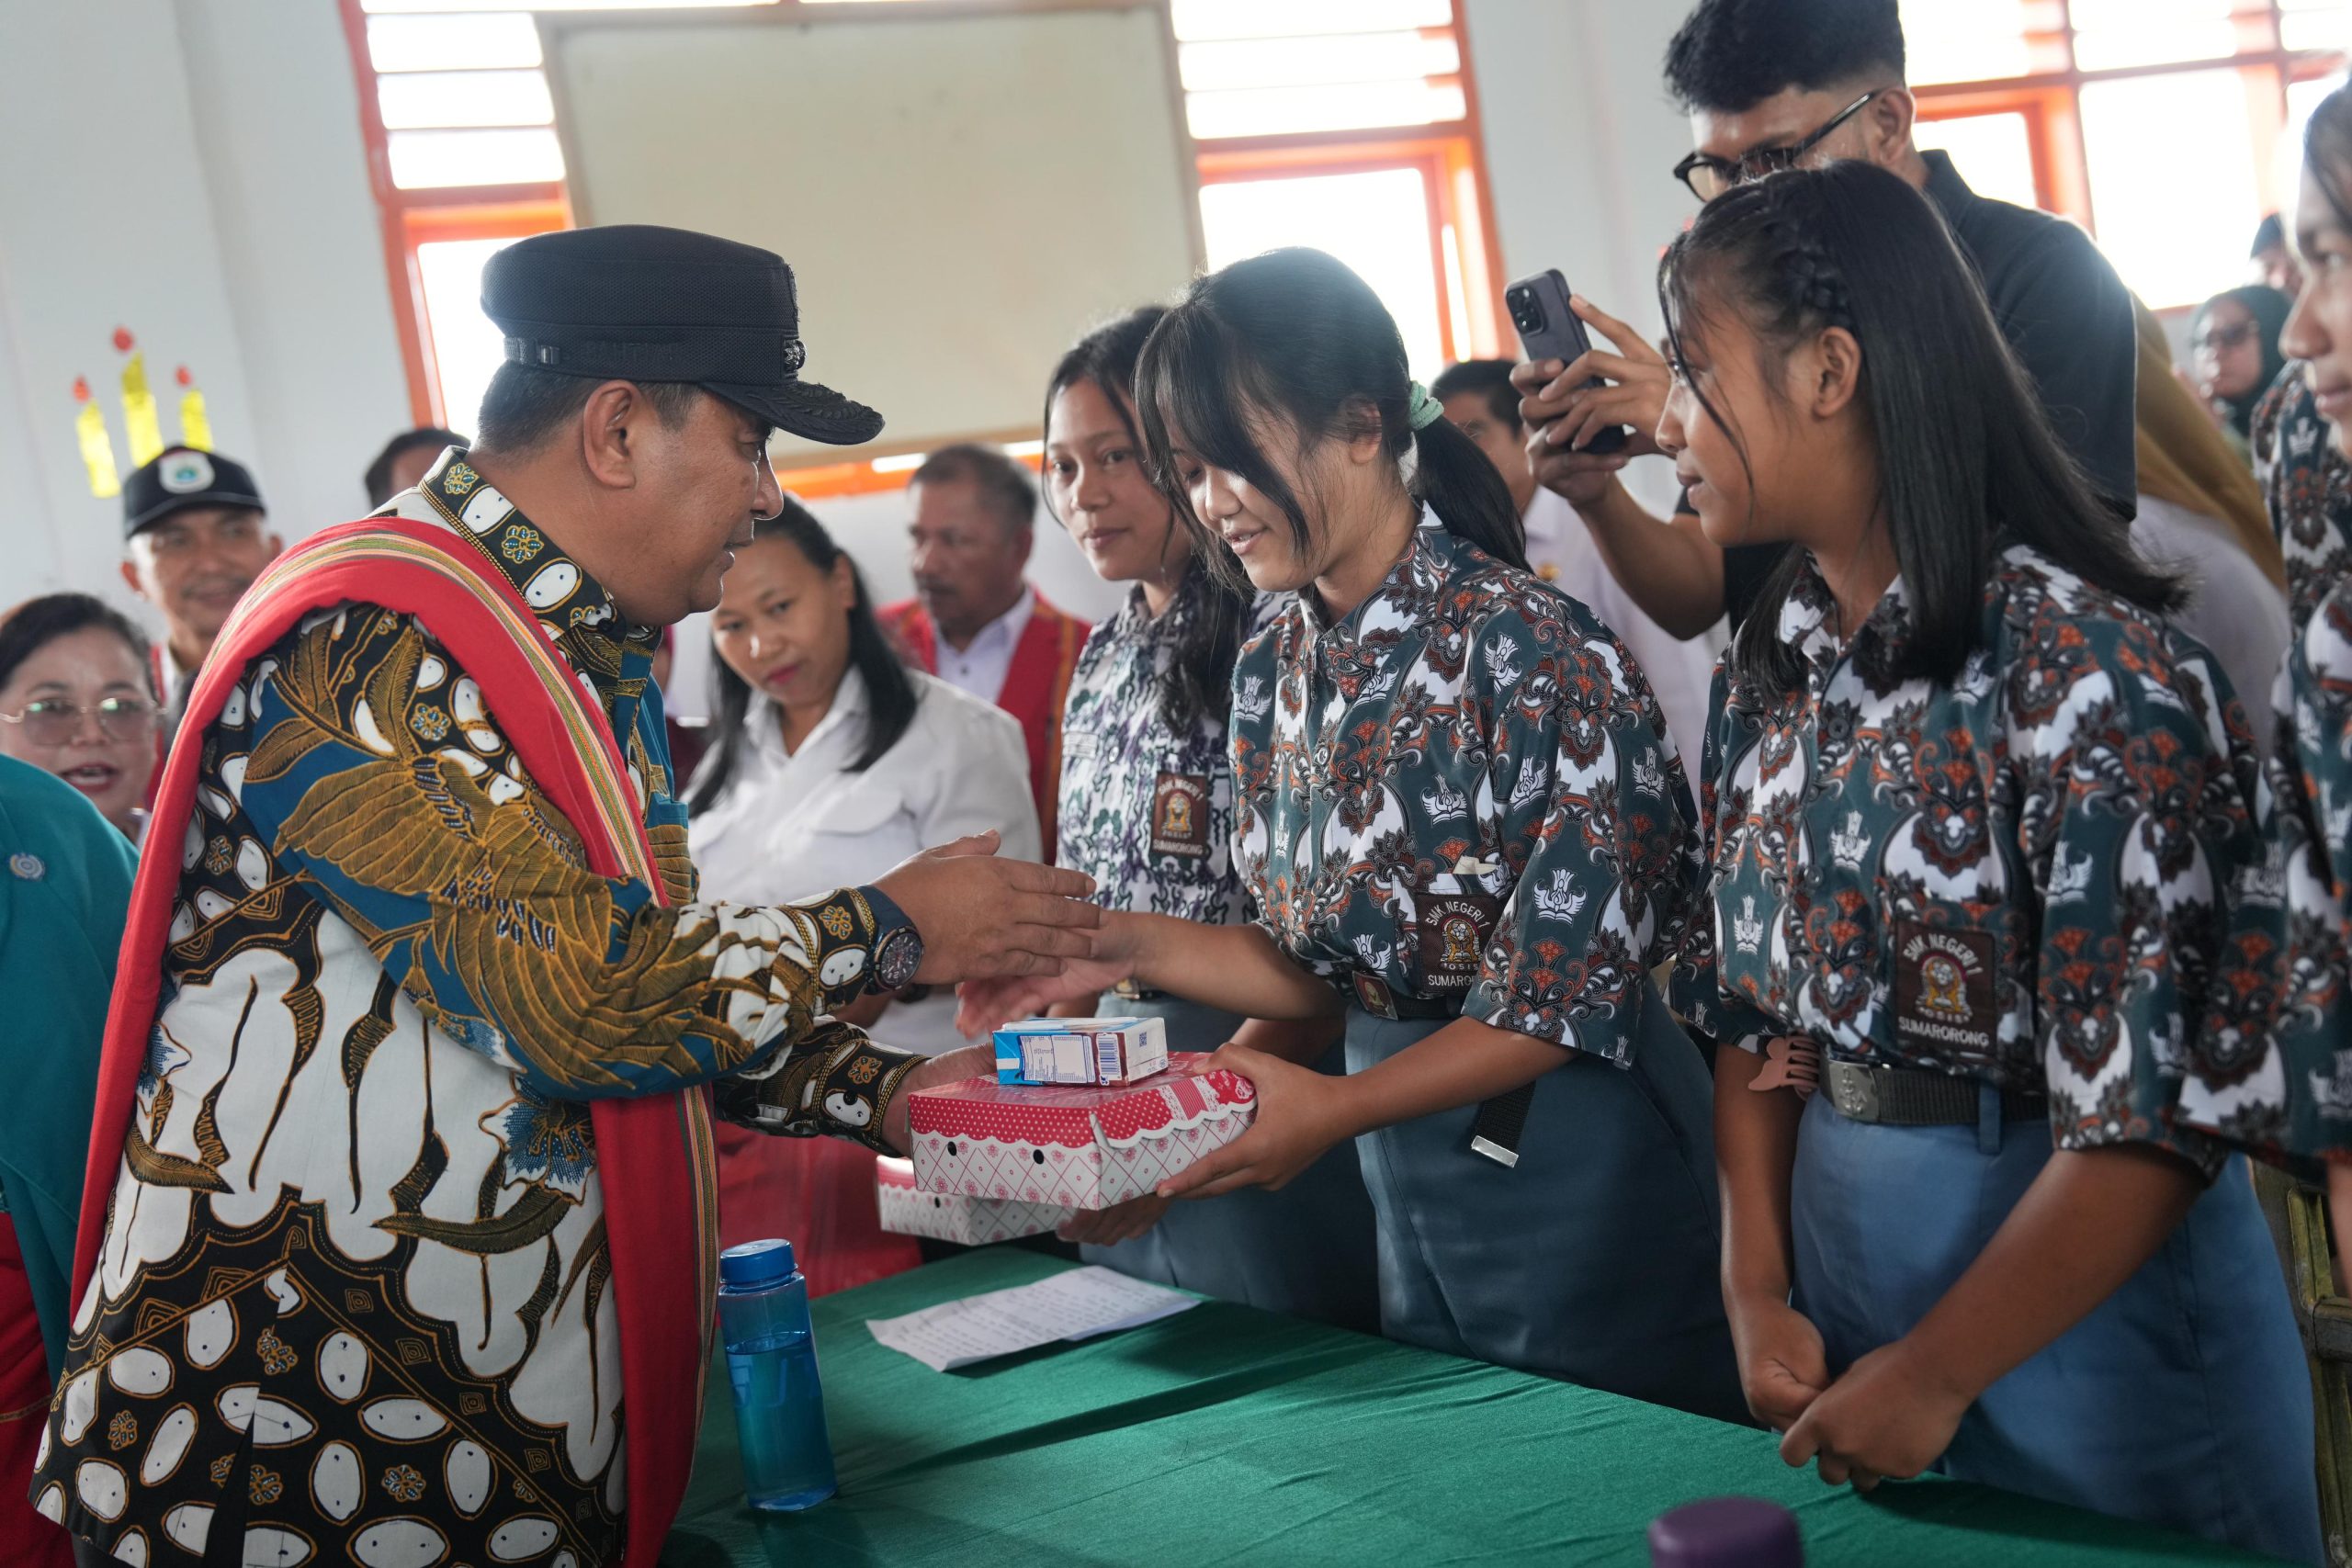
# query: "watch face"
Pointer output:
{"type": "Point", "coordinates": [896, 960]}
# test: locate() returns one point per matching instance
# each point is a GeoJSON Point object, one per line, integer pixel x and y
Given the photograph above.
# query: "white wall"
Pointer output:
{"type": "Point", "coordinates": [192, 171]}
{"type": "Point", "coordinates": [1581, 140]}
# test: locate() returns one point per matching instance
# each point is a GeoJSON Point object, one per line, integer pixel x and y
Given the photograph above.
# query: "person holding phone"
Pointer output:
{"type": "Point", "coordinates": [1147, 811]}
{"type": "Point", "coordinates": [1784, 83]}
{"type": "Point", "coordinates": [1971, 807]}
{"type": "Point", "coordinates": [1460, 820]}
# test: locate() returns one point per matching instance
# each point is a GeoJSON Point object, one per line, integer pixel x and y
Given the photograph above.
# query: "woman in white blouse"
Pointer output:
{"type": "Point", "coordinates": [829, 762]}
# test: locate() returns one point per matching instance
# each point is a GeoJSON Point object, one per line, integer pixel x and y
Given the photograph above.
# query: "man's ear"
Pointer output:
{"type": "Point", "coordinates": [610, 425]}
{"type": "Point", "coordinates": [1889, 118]}
{"type": "Point", "coordinates": [130, 577]}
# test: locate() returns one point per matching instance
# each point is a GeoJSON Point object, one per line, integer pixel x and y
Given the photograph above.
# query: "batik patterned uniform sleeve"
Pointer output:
{"type": "Point", "coordinates": [378, 774]}
{"type": "Point", "coordinates": [1592, 813]}
{"type": "Point", "coordinates": [1696, 987]}
{"type": "Point", "coordinates": [2124, 786]}
{"type": "Point", "coordinates": [2272, 1070]}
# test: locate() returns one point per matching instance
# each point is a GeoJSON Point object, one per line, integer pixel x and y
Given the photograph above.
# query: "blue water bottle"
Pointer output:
{"type": "Point", "coordinates": [772, 1364]}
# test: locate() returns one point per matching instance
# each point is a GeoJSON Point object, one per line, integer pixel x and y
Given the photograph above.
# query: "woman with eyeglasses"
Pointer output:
{"type": "Point", "coordinates": [2233, 341]}
{"type": "Point", "coordinates": [1970, 805]}
{"type": "Point", "coordinates": [78, 699]}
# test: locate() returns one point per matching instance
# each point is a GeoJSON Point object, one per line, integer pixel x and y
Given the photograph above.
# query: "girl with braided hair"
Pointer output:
{"type": "Point", "coordinates": [1971, 805]}
{"type": "Point", "coordinates": [1460, 826]}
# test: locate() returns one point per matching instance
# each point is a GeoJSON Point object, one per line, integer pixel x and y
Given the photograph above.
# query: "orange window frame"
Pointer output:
{"type": "Point", "coordinates": [2050, 101]}
{"type": "Point", "coordinates": [413, 218]}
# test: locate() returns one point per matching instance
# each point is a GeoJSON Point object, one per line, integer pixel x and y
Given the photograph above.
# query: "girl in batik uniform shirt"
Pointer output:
{"type": "Point", "coordinates": [1460, 824]}
{"type": "Point", "coordinates": [1972, 805]}
{"type": "Point", "coordinates": [2274, 1071]}
{"type": "Point", "coordinates": [1146, 810]}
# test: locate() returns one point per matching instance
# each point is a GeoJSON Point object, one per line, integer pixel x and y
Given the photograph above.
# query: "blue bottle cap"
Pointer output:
{"type": "Point", "coordinates": [755, 1265]}
{"type": "Point", "coordinates": [1726, 1532]}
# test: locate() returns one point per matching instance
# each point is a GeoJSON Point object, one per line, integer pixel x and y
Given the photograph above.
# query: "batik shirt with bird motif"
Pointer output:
{"type": "Point", "coordinates": [2016, 875]}
{"type": "Point", "coordinates": [2308, 484]}
{"type": "Point", "coordinates": [1146, 811]}
{"type": "Point", "coordinates": [2273, 1070]}
{"type": "Point", "coordinates": [1463, 790]}
{"type": "Point", "coordinates": [353, 1289]}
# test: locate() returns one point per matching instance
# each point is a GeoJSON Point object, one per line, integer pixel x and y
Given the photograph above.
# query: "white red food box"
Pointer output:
{"type": "Point", "coordinates": [1086, 1146]}
{"type": "Point", "coordinates": [907, 1210]}
{"type": "Point", "coordinates": [1081, 1050]}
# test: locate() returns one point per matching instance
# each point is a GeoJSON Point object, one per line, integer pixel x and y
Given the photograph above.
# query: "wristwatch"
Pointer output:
{"type": "Point", "coordinates": [897, 957]}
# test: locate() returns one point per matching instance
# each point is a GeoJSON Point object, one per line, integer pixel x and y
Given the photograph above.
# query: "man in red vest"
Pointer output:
{"type": "Point", "coordinates": [975, 621]}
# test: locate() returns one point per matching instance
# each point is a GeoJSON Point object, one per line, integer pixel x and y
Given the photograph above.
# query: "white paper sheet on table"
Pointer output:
{"type": "Point", "coordinates": [1078, 1304]}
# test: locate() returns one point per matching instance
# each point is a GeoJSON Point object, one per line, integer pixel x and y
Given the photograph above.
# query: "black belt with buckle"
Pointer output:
{"type": "Point", "coordinates": [1914, 1097]}
{"type": "Point", "coordinates": [1500, 1120]}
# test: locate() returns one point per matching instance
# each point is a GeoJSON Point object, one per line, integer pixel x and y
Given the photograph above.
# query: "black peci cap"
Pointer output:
{"type": "Point", "coordinates": [182, 476]}
{"type": "Point", "coordinates": [641, 303]}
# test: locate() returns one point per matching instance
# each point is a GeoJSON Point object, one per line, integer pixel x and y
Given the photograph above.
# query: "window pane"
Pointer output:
{"type": "Point", "coordinates": [2111, 33]}
{"type": "Point", "coordinates": [1349, 107]}
{"type": "Point", "coordinates": [1993, 152]}
{"type": "Point", "coordinates": [425, 158]}
{"type": "Point", "coordinates": [2315, 23]}
{"type": "Point", "coordinates": [441, 43]}
{"type": "Point", "coordinates": [1965, 40]}
{"type": "Point", "coordinates": [424, 98]}
{"type": "Point", "coordinates": [2172, 181]}
{"type": "Point", "coordinates": [1285, 62]}
{"type": "Point", "coordinates": [465, 347]}
{"type": "Point", "coordinates": [1377, 223]}
{"type": "Point", "coordinates": [1303, 18]}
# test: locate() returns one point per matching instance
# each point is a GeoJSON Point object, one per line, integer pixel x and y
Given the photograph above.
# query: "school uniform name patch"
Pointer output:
{"type": "Point", "coordinates": [1180, 815]}
{"type": "Point", "coordinates": [1452, 930]}
{"type": "Point", "coordinates": [1943, 987]}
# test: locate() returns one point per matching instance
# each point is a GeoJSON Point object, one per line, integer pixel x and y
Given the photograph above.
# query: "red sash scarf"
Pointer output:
{"type": "Point", "coordinates": [654, 1154]}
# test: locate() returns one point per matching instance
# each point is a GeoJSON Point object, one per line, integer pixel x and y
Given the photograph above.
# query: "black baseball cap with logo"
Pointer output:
{"type": "Point", "coordinates": [637, 302]}
{"type": "Point", "coordinates": [181, 477]}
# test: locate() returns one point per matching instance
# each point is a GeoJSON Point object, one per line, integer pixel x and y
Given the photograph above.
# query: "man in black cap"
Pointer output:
{"type": "Point", "coordinates": [405, 459]}
{"type": "Point", "coordinates": [195, 536]}
{"type": "Point", "coordinates": [407, 1252]}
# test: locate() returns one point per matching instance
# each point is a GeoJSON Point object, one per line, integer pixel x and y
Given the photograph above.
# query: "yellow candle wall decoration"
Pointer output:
{"type": "Point", "coordinates": [97, 446]}
{"type": "Point", "coordinates": [195, 425]}
{"type": "Point", "coordinates": [141, 425]}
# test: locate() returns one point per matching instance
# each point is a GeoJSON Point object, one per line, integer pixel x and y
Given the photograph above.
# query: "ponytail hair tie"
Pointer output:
{"type": "Point", "coordinates": [1421, 409]}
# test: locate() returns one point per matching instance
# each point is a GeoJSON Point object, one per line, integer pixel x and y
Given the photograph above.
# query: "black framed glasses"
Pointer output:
{"type": "Point", "coordinates": [1709, 176]}
{"type": "Point", "coordinates": [53, 722]}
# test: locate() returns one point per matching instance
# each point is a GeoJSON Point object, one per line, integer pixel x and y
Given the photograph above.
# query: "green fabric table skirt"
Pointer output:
{"type": "Point", "coordinates": [1226, 1435]}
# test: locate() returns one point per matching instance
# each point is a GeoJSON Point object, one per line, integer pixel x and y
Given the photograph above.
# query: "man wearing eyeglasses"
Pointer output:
{"type": "Point", "coordinates": [1772, 84]}
{"type": "Point", "coordinates": [195, 536]}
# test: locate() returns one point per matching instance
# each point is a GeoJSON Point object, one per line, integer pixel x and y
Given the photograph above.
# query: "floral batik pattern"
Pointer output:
{"type": "Point", "coordinates": [2016, 876]}
{"type": "Point", "coordinates": [2273, 1069]}
{"type": "Point", "coordinates": [1463, 789]}
{"type": "Point", "coordinates": [2308, 483]}
{"type": "Point", "coordinates": [355, 1295]}
{"type": "Point", "coordinates": [1147, 812]}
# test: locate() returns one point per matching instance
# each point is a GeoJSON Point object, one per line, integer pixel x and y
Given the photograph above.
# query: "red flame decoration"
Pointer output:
{"type": "Point", "coordinates": [183, 378]}
{"type": "Point", "coordinates": [122, 340]}
{"type": "Point", "coordinates": [81, 389]}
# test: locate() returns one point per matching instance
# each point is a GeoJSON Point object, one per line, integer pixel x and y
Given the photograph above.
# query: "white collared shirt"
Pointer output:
{"type": "Point", "coordinates": [980, 668]}
{"type": "Point", "coordinates": [800, 823]}
{"type": "Point", "coordinates": [1682, 672]}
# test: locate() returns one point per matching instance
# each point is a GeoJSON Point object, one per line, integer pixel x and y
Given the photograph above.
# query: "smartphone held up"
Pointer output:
{"type": "Point", "coordinates": [1548, 329]}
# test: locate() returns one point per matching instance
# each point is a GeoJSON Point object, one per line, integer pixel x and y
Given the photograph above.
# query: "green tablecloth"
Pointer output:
{"type": "Point", "coordinates": [1226, 1435]}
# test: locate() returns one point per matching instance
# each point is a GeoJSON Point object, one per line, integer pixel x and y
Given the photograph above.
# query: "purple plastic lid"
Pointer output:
{"type": "Point", "coordinates": [1726, 1532]}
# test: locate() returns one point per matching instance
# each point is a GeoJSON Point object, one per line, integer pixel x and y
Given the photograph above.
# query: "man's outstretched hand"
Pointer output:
{"type": "Point", "coordinates": [950, 1066]}
{"type": "Point", "coordinates": [981, 917]}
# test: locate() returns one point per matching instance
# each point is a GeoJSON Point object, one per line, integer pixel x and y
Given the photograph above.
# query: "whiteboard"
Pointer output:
{"type": "Point", "coordinates": [960, 195]}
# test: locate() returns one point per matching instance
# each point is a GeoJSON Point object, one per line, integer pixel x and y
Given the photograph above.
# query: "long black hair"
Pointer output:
{"type": "Point", "coordinates": [1196, 681]}
{"type": "Point", "coordinates": [32, 625]}
{"type": "Point", "coordinates": [890, 692]}
{"type": "Point", "coordinates": [2268, 309]}
{"type": "Point", "coordinates": [1295, 333]}
{"type": "Point", "coordinates": [1966, 458]}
